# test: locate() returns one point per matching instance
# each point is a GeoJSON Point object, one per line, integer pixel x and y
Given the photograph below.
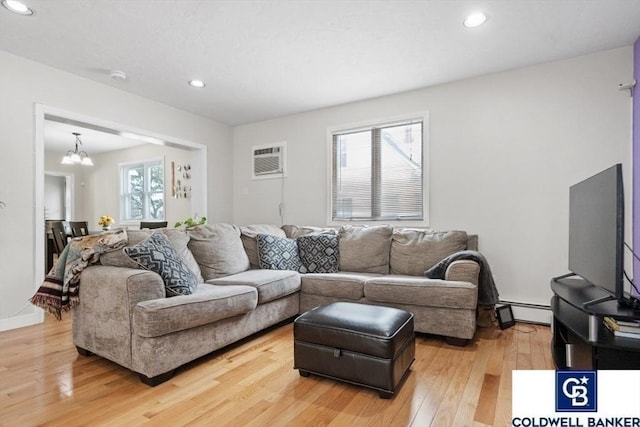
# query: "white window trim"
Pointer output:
{"type": "Point", "coordinates": [136, 222]}
{"type": "Point", "coordinates": [424, 116]}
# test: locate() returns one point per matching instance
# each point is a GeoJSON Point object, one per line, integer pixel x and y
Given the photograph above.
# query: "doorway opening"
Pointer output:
{"type": "Point", "coordinates": [44, 114]}
{"type": "Point", "coordinates": [59, 196]}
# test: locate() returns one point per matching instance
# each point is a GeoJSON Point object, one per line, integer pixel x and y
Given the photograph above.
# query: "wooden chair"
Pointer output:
{"type": "Point", "coordinates": [152, 224]}
{"type": "Point", "coordinates": [79, 228]}
{"type": "Point", "coordinates": [59, 236]}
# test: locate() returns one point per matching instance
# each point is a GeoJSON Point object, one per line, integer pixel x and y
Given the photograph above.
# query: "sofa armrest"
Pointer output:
{"type": "Point", "coordinates": [119, 286]}
{"type": "Point", "coordinates": [103, 318]}
{"type": "Point", "coordinates": [463, 271]}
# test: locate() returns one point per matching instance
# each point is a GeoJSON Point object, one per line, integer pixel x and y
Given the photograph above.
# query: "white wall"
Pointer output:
{"type": "Point", "coordinates": [504, 149]}
{"type": "Point", "coordinates": [101, 183]}
{"type": "Point", "coordinates": [23, 84]}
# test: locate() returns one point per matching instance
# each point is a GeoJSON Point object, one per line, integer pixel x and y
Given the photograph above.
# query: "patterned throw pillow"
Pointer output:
{"type": "Point", "coordinates": [277, 253]}
{"type": "Point", "coordinates": [319, 253]}
{"type": "Point", "coordinates": [157, 254]}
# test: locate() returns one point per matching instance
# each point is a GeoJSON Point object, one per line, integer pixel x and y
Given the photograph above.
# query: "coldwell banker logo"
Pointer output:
{"type": "Point", "coordinates": [576, 391]}
{"type": "Point", "coordinates": [607, 398]}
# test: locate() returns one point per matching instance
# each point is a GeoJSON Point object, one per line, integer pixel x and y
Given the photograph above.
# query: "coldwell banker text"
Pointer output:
{"type": "Point", "coordinates": [575, 422]}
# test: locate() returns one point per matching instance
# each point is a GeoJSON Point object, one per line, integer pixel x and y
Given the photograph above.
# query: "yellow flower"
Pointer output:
{"type": "Point", "coordinates": [105, 221]}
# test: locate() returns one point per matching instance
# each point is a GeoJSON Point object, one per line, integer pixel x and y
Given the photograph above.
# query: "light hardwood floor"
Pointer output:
{"type": "Point", "coordinates": [43, 381]}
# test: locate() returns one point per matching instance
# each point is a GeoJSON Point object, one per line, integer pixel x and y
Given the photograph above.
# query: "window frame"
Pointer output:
{"type": "Point", "coordinates": [367, 125]}
{"type": "Point", "coordinates": [146, 164]}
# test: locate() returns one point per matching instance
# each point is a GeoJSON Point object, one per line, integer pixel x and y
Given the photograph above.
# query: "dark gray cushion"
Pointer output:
{"type": "Point", "coordinates": [319, 253]}
{"type": "Point", "coordinates": [277, 253]}
{"type": "Point", "coordinates": [158, 255]}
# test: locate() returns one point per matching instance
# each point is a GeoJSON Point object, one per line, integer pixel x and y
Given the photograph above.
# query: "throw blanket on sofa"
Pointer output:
{"type": "Point", "coordinates": [487, 292]}
{"type": "Point", "coordinates": [59, 291]}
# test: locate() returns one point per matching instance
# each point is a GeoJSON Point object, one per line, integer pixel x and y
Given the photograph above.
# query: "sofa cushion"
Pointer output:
{"type": "Point", "coordinates": [319, 253]}
{"type": "Point", "coordinates": [178, 238]}
{"type": "Point", "coordinates": [207, 304]}
{"type": "Point", "coordinates": [158, 255]}
{"type": "Point", "coordinates": [414, 251]}
{"type": "Point", "coordinates": [365, 249]}
{"type": "Point", "coordinates": [248, 236]}
{"type": "Point", "coordinates": [218, 250]}
{"type": "Point", "coordinates": [421, 291]}
{"type": "Point", "coordinates": [278, 253]}
{"type": "Point", "coordinates": [295, 231]}
{"type": "Point", "coordinates": [337, 285]}
{"type": "Point", "coordinates": [270, 284]}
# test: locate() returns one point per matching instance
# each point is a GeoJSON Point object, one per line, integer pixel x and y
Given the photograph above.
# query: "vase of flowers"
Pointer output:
{"type": "Point", "coordinates": [105, 222]}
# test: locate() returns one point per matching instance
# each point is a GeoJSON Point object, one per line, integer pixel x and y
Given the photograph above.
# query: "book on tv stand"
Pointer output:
{"type": "Point", "coordinates": [623, 328]}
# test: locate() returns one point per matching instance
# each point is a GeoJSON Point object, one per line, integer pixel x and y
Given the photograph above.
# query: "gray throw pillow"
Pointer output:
{"type": "Point", "coordinates": [319, 253]}
{"type": "Point", "coordinates": [365, 249]}
{"type": "Point", "coordinates": [277, 253]}
{"type": "Point", "coordinates": [178, 239]}
{"type": "Point", "coordinates": [218, 250]}
{"type": "Point", "coordinates": [295, 231]}
{"type": "Point", "coordinates": [415, 250]}
{"type": "Point", "coordinates": [157, 254]}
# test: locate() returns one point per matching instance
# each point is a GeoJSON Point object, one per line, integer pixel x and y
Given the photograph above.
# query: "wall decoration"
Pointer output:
{"type": "Point", "coordinates": [181, 180]}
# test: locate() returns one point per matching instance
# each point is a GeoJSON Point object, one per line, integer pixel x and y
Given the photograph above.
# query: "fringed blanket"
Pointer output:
{"type": "Point", "coordinates": [487, 292]}
{"type": "Point", "coordinates": [59, 291]}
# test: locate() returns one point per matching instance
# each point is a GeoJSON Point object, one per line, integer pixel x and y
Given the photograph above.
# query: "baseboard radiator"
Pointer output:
{"type": "Point", "coordinates": [530, 313]}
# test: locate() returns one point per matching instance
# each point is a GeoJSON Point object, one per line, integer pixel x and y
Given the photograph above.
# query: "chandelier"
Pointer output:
{"type": "Point", "coordinates": [73, 157]}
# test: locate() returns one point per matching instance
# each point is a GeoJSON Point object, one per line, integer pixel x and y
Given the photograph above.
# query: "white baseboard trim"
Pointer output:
{"type": "Point", "coordinates": [532, 313]}
{"type": "Point", "coordinates": [523, 312]}
{"type": "Point", "coordinates": [16, 322]}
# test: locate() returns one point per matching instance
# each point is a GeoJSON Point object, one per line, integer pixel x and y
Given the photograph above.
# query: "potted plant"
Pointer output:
{"type": "Point", "coordinates": [191, 222]}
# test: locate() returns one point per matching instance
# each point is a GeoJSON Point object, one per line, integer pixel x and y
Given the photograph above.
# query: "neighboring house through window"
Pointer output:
{"type": "Point", "coordinates": [142, 191]}
{"type": "Point", "coordinates": [377, 172]}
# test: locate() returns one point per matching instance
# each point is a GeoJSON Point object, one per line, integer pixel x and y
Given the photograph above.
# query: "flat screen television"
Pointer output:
{"type": "Point", "coordinates": [596, 232]}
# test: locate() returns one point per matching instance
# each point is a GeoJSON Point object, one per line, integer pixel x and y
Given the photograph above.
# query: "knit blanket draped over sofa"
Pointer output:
{"type": "Point", "coordinates": [59, 291]}
{"type": "Point", "coordinates": [487, 293]}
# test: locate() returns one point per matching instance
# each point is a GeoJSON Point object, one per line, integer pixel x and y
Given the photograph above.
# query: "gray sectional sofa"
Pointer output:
{"type": "Point", "coordinates": [125, 316]}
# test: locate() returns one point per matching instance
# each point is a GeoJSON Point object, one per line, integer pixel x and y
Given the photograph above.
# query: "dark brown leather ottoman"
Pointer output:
{"type": "Point", "coordinates": [367, 345]}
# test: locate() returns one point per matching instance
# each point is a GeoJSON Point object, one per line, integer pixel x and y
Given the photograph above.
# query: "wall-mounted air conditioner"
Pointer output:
{"type": "Point", "coordinates": [269, 161]}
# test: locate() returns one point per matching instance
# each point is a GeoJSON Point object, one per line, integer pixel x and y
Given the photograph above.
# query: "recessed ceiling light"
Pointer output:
{"type": "Point", "coordinates": [197, 83]}
{"type": "Point", "coordinates": [17, 7]}
{"type": "Point", "coordinates": [475, 20]}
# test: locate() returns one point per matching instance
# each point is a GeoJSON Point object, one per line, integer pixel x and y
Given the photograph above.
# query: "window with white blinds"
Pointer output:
{"type": "Point", "coordinates": [377, 173]}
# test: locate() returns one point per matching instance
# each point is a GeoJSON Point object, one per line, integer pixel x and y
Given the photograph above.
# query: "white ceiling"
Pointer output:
{"type": "Point", "coordinates": [59, 138]}
{"type": "Point", "coordinates": [265, 59]}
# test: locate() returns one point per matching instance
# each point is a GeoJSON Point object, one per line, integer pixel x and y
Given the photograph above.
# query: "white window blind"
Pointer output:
{"type": "Point", "coordinates": [377, 173]}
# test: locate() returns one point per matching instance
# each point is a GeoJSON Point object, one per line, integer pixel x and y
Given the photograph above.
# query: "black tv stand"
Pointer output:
{"type": "Point", "coordinates": [564, 276]}
{"type": "Point", "coordinates": [580, 339]}
{"type": "Point", "coordinates": [598, 301]}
